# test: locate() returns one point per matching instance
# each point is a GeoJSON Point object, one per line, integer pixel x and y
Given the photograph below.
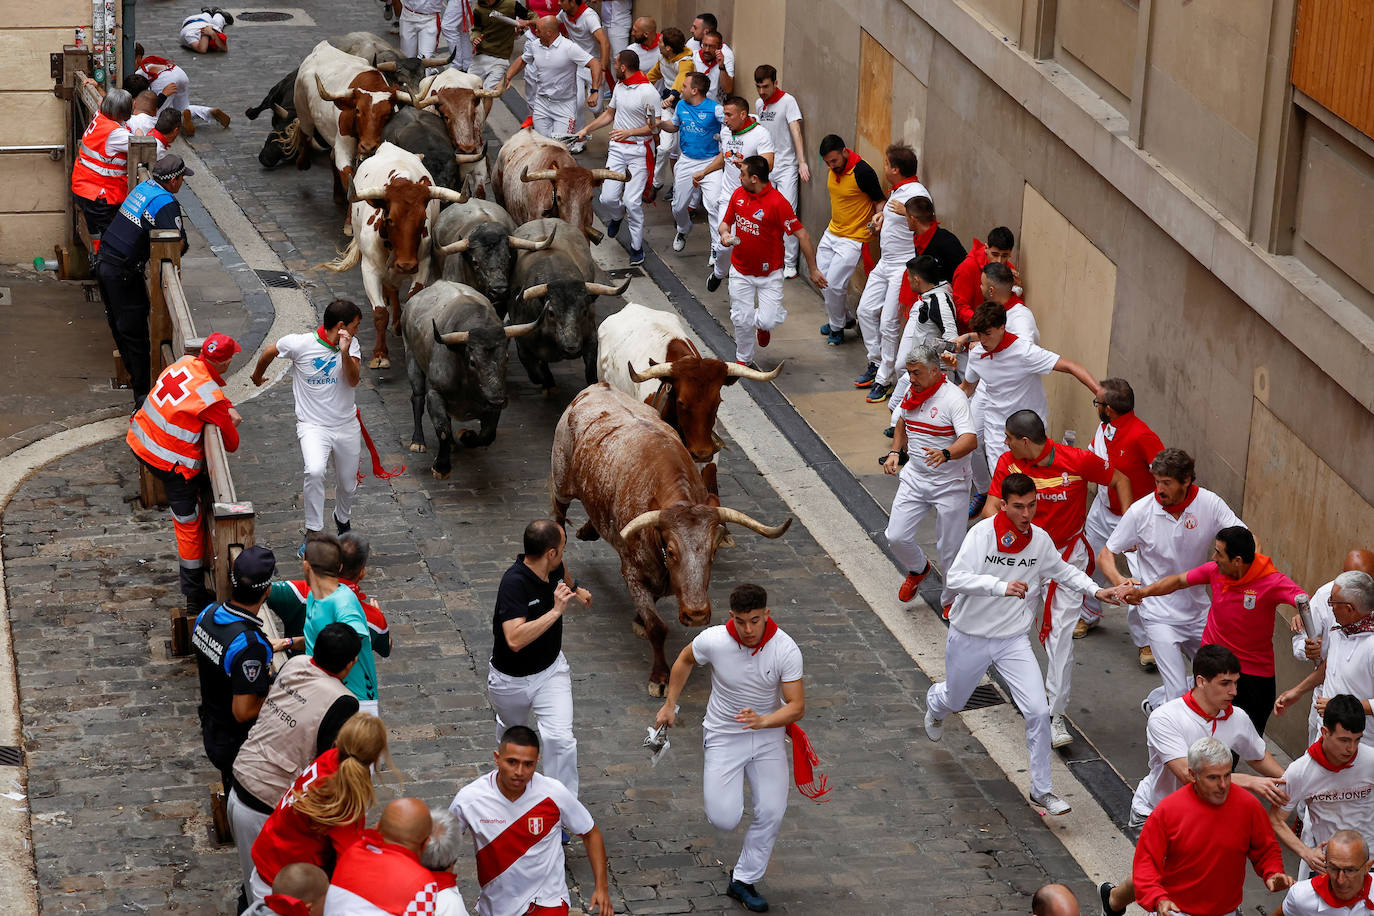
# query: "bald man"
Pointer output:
{"type": "Point", "coordinates": [1054, 900]}
{"type": "Point", "coordinates": [383, 869]}
{"type": "Point", "coordinates": [1308, 649]}
{"type": "Point", "coordinates": [1345, 888]}
{"type": "Point", "coordinates": [299, 888]}
{"type": "Point", "coordinates": [555, 103]}
{"type": "Point", "coordinates": [646, 42]}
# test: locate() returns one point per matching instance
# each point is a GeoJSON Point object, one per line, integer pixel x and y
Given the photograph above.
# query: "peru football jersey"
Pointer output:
{"type": "Point", "coordinates": [1061, 487]}
{"type": "Point", "coordinates": [519, 844]}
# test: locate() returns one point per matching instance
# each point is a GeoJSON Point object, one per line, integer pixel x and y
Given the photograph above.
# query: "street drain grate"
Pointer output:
{"type": "Point", "coordinates": [277, 280]}
{"type": "Point", "coordinates": [11, 756]}
{"type": "Point", "coordinates": [983, 697]}
{"type": "Point", "coordinates": [264, 16]}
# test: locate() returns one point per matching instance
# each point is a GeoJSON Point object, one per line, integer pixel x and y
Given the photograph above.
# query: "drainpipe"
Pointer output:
{"type": "Point", "coordinates": [127, 37]}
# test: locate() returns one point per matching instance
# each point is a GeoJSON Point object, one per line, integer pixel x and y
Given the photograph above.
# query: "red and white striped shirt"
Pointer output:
{"type": "Point", "coordinates": [936, 423]}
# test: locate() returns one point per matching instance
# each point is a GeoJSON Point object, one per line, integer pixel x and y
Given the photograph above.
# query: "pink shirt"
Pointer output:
{"type": "Point", "coordinates": [1242, 614]}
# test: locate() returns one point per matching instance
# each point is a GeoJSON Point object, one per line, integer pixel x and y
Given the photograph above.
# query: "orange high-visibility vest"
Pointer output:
{"type": "Point", "coordinates": [167, 430]}
{"type": "Point", "coordinates": [95, 174]}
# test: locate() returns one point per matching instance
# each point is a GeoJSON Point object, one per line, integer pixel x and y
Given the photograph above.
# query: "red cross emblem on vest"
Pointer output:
{"type": "Point", "coordinates": [171, 388]}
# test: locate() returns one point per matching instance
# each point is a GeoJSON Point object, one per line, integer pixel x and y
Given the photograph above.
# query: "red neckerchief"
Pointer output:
{"type": "Point", "coordinates": [161, 63]}
{"type": "Point", "coordinates": [1364, 625]}
{"type": "Point", "coordinates": [378, 471]}
{"type": "Point", "coordinates": [1177, 510]}
{"type": "Point", "coordinates": [905, 181]}
{"type": "Point", "coordinates": [1014, 301]}
{"type": "Point", "coordinates": [652, 42]}
{"type": "Point", "coordinates": [916, 398]}
{"type": "Point", "coordinates": [634, 79]}
{"type": "Point", "coordinates": [1007, 340]}
{"type": "Point", "coordinates": [362, 595]}
{"type": "Point", "coordinates": [1262, 567]}
{"type": "Point", "coordinates": [1009, 538]}
{"type": "Point", "coordinates": [286, 905]}
{"type": "Point", "coordinates": [1317, 754]}
{"type": "Point", "coordinates": [749, 124]}
{"type": "Point", "coordinates": [924, 238]}
{"type": "Point", "coordinates": [320, 332]}
{"type": "Point", "coordinates": [851, 159]}
{"type": "Point", "coordinates": [1322, 885]}
{"type": "Point", "coordinates": [445, 879]}
{"type": "Point", "coordinates": [1221, 716]}
{"type": "Point", "coordinates": [804, 758]}
{"type": "Point", "coordinates": [581, 8]}
{"type": "Point", "coordinates": [159, 135]}
{"type": "Point", "coordinates": [708, 67]}
{"type": "Point", "coordinates": [773, 99]}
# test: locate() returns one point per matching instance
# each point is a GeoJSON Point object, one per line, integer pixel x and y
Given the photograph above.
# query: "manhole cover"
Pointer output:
{"type": "Point", "coordinates": [983, 697]}
{"type": "Point", "coordinates": [277, 280]}
{"type": "Point", "coordinates": [263, 16]}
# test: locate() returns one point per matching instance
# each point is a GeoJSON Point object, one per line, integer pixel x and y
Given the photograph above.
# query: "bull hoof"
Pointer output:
{"type": "Point", "coordinates": [658, 690]}
{"type": "Point", "coordinates": [348, 230]}
{"type": "Point", "coordinates": [379, 362]}
{"type": "Point", "coordinates": [639, 629]}
{"type": "Point", "coordinates": [440, 475]}
{"type": "Point", "coordinates": [469, 439]}
{"type": "Point", "coordinates": [588, 533]}
{"type": "Point", "coordinates": [417, 447]}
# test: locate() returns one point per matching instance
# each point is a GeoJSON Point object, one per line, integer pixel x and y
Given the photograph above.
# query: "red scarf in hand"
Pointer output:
{"type": "Point", "coordinates": [634, 79]}
{"type": "Point", "coordinates": [1322, 885]}
{"type": "Point", "coordinates": [377, 470]}
{"type": "Point", "coordinates": [1008, 339]}
{"type": "Point", "coordinates": [286, 905]}
{"type": "Point", "coordinates": [916, 398]}
{"type": "Point", "coordinates": [773, 99]}
{"type": "Point", "coordinates": [1177, 510]}
{"type": "Point", "coordinates": [804, 758]}
{"type": "Point", "coordinates": [1317, 754]}
{"type": "Point", "coordinates": [1221, 716]}
{"type": "Point", "coordinates": [1009, 538]}
{"type": "Point", "coordinates": [924, 238]}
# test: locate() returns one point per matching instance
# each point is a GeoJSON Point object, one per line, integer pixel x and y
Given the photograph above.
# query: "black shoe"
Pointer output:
{"type": "Point", "coordinates": [890, 431]}
{"type": "Point", "coordinates": [342, 527]}
{"type": "Point", "coordinates": [1104, 891]}
{"type": "Point", "coordinates": [613, 228]}
{"type": "Point", "coordinates": [228, 19]}
{"type": "Point", "coordinates": [745, 894]}
{"type": "Point", "coordinates": [878, 393]}
{"type": "Point", "coordinates": [712, 282]}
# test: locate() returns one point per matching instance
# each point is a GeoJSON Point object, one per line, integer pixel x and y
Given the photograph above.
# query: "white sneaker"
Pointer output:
{"type": "Point", "coordinates": [935, 728]}
{"type": "Point", "coordinates": [1052, 803]}
{"type": "Point", "coordinates": [1059, 732]}
{"type": "Point", "coordinates": [789, 272]}
{"type": "Point", "coordinates": [1147, 707]}
{"type": "Point", "coordinates": [711, 261]}
{"type": "Point", "coordinates": [679, 242]}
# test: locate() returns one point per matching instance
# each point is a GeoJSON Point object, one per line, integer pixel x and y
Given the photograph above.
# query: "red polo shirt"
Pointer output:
{"type": "Point", "coordinates": [760, 221]}
{"type": "Point", "coordinates": [1242, 614]}
{"type": "Point", "coordinates": [1061, 487]}
{"type": "Point", "coordinates": [1131, 446]}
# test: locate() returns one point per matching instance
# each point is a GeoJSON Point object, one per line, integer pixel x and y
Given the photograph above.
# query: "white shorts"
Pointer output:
{"type": "Point", "coordinates": [191, 31]}
{"type": "Point", "coordinates": [419, 33]}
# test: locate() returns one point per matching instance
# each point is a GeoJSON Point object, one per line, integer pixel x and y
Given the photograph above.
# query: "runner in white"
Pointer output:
{"type": "Point", "coordinates": [634, 110]}
{"type": "Point", "coordinates": [173, 88]}
{"type": "Point", "coordinates": [326, 367]}
{"type": "Point", "coordinates": [933, 427]}
{"type": "Point", "coordinates": [931, 322]}
{"type": "Point", "coordinates": [204, 31]}
{"type": "Point", "coordinates": [1311, 650]}
{"type": "Point", "coordinates": [756, 700]}
{"type": "Point", "coordinates": [668, 75]}
{"type": "Point", "coordinates": [998, 579]}
{"type": "Point", "coordinates": [456, 27]}
{"type": "Point", "coordinates": [583, 26]}
{"type": "Point", "coordinates": [703, 25]}
{"type": "Point", "coordinates": [779, 113]}
{"type": "Point", "coordinates": [419, 24]}
{"type": "Point", "coordinates": [555, 104]}
{"type": "Point", "coordinates": [741, 138]}
{"type": "Point", "coordinates": [615, 17]}
{"type": "Point", "coordinates": [1173, 529]}
{"type": "Point", "coordinates": [516, 817]}
{"type": "Point", "coordinates": [648, 44]}
{"type": "Point", "coordinates": [700, 122]}
{"type": "Point", "coordinates": [1345, 887]}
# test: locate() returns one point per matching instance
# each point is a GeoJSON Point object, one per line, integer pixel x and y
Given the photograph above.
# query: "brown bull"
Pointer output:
{"type": "Point", "coordinates": [644, 495]}
{"type": "Point", "coordinates": [537, 177]}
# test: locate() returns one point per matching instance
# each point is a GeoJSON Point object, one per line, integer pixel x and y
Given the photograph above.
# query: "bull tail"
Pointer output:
{"type": "Point", "coordinates": [291, 138]}
{"type": "Point", "coordinates": [348, 259]}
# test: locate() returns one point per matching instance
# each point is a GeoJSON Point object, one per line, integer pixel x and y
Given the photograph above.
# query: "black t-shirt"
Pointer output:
{"type": "Point", "coordinates": [525, 596]}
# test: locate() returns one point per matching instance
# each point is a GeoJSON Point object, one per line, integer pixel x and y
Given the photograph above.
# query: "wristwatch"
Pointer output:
{"type": "Point", "coordinates": [945, 452]}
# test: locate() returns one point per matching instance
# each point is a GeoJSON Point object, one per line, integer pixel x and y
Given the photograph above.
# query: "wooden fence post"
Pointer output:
{"type": "Point", "coordinates": [165, 246]}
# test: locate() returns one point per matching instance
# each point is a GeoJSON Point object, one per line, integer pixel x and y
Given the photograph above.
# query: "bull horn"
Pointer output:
{"type": "Point", "coordinates": [530, 245]}
{"type": "Point", "coordinates": [605, 289]}
{"type": "Point", "coordinates": [440, 61]}
{"type": "Point", "coordinates": [325, 94]}
{"type": "Point", "coordinates": [453, 337]}
{"type": "Point", "coordinates": [593, 234]}
{"type": "Point", "coordinates": [386, 66]}
{"type": "Point", "coordinates": [534, 292]}
{"type": "Point", "coordinates": [453, 247]}
{"type": "Point", "coordinates": [610, 175]}
{"type": "Point", "coordinates": [736, 517]}
{"type": "Point", "coordinates": [280, 111]}
{"type": "Point", "coordinates": [469, 158]}
{"type": "Point", "coordinates": [538, 174]}
{"type": "Point", "coordinates": [754, 375]}
{"type": "Point", "coordinates": [487, 93]}
{"type": "Point", "coordinates": [656, 370]}
{"type": "Point", "coordinates": [355, 195]}
{"type": "Point", "coordinates": [426, 101]}
{"type": "Point", "coordinates": [520, 330]}
{"type": "Point", "coordinates": [640, 522]}
{"type": "Point", "coordinates": [448, 194]}
{"type": "Point", "coordinates": [401, 95]}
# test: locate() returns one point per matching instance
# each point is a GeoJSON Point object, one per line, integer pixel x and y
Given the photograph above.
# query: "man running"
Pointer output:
{"type": "Point", "coordinates": [742, 138]}
{"type": "Point", "coordinates": [556, 102]}
{"type": "Point", "coordinates": [699, 121]}
{"type": "Point", "coordinates": [780, 115]}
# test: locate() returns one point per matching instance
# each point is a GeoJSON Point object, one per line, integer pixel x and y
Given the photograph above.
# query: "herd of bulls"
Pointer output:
{"type": "Point", "coordinates": [478, 273]}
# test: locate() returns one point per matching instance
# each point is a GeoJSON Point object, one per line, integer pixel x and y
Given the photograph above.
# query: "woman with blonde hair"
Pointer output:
{"type": "Point", "coordinates": [325, 810]}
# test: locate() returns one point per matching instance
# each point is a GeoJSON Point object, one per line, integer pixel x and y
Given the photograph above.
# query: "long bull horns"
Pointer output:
{"type": "Point", "coordinates": [530, 244]}
{"type": "Point", "coordinates": [603, 289]}
{"type": "Point", "coordinates": [441, 193]}
{"type": "Point", "coordinates": [534, 292]}
{"type": "Point", "coordinates": [640, 522]}
{"type": "Point", "coordinates": [656, 371]}
{"type": "Point", "coordinates": [468, 158]}
{"type": "Point", "coordinates": [736, 517]}
{"type": "Point", "coordinates": [754, 375]}
{"type": "Point", "coordinates": [609, 175]}
{"type": "Point", "coordinates": [360, 194]}
{"type": "Point", "coordinates": [539, 174]}
{"type": "Point", "coordinates": [325, 93]}
{"type": "Point", "coordinates": [454, 247]}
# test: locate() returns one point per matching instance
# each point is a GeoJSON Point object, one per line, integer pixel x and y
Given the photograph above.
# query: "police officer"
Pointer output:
{"type": "Point", "coordinates": [233, 656]}
{"type": "Point", "coordinates": [124, 255]}
{"type": "Point", "coordinates": [166, 433]}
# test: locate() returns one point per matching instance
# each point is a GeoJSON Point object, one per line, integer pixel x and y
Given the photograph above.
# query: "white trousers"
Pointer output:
{"type": "Point", "coordinates": [258, 889]}
{"type": "Point", "coordinates": [755, 305]}
{"type": "Point", "coordinates": [785, 180]}
{"type": "Point", "coordinates": [759, 756]}
{"type": "Point", "coordinates": [625, 199]}
{"type": "Point", "coordinates": [245, 824]}
{"type": "Point", "coordinates": [1065, 605]}
{"type": "Point", "coordinates": [664, 159]}
{"type": "Point", "coordinates": [192, 31]}
{"type": "Point", "coordinates": [1100, 525]}
{"type": "Point", "coordinates": [419, 33]}
{"type": "Point", "coordinates": [548, 696]}
{"type": "Point", "coordinates": [1174, 647]}
{"type": "Point", "coordinates": [317, 443]}
{"type": "Point", "coordinates": [584, 89]}
{"type": "Point", "coordinates": [913, 500]}
{"type": "Point", "coordinates": [456, 27]}
{"type": "Point", "coordinates": [880, 317]}
{"type": "Point", "coordinates": [488, 69]}
{"type": "Point", "coordinates": [837, 257]}
{"type": "Point", "coordinates": [555, 117]}
{"type": "Point", "coordinates": [616, 20]}
{"type": "Point", "coordinates": [966, 660]}
{"type": "Point", "coordinates": [994, 441]}
{"type": "Point", "coordinates": [686, 196]}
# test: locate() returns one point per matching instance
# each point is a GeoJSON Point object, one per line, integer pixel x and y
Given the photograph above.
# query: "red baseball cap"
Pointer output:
{"type": "Point", "coordinates": [219, 347]}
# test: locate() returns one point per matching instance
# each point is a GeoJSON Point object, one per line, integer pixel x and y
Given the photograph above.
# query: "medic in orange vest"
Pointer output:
{"type": "Point", "coordinates": [98, 175]}
{"type": "Point", "coordinates": [167, 435]}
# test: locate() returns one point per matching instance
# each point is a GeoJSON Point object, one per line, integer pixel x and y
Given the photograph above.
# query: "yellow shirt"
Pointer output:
{"type": "Point", "coordinates": [850, 207]}
{"type": "Point", "coordinates": [682, 63]}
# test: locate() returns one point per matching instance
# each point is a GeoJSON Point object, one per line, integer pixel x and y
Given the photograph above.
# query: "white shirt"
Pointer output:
{"type": "Point", "coordinates": [726, 52]}
{"type": "Point", "coordinates": [141, 124]}
{"type": "Point", "coordinates": [1021, 322]}
{"type": "Point", "coordinates": [1165, 545]}
{"type": "Point", "coordinates": [744, 678]}
{"type": "Point", "coordinates": [648, 57]}
{"type": "Point", "coordinates": [1303, 900]}
{"type": "Point", "coordinates": [980, 574]}
{"type": "Point", "coordinates": [1334, 801]}
{"type": "Point", "coordinates": [1323, 619]}
{"type": "Point", "coordinates": [1350, 669]}
{"type": "Point", "coordinates": [527, 865]}
{"type": "Point", "coordinates": [753, 141]}
{"type": "Point", "coordinates": [323, 395]}
{"type": "Point", "coordinates": [582, 31]}
{"type": "Point", "coordinates": [778, 118]}
{"type": "Point", "coordinates": [897, 241]}
{"type": "Point", "coordinates": [1172, 729]}
{"type": "Point", "coordinates": [557, 66]}
{"type": "Point", "coordinates": [936, 424]}
{"type": "Point", "coordinates": [630, 103]}
{"type": "Point", "coordinates": [938, 301]}
{"type": "Point", "coordinates": [1010, 380]}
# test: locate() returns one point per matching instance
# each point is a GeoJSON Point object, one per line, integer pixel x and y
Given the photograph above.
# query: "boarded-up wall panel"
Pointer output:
{"type": "Point", "coordinates": [26, 235]}
{"type": "Point", "coordinates": [875, 101]}
{"type": "Point", "coordinates": [1335, 198]}
{"type": "Point", "coordinates": [1331, 57]}
{"type": "Point", "coordinates": [24, 56]}
{"type": "Point", "coordinates": [41, 116]}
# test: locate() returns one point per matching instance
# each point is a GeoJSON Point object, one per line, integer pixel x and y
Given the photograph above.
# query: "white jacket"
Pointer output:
{"type": "Point", "coordinates": [980, 575]}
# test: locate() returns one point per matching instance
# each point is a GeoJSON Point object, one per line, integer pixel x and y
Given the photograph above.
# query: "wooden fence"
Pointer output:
{"type": "Point", "coordinates": [1332, 62]}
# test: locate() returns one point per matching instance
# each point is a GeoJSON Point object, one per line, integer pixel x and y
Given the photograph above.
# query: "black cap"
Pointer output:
{"type": "Point", "coordinates": [253, 569]}
{"type": "Point", "coordinates": [171, 166]}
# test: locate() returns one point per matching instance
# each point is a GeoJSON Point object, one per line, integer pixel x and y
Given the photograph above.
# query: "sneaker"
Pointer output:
{"type": "Point", "coordinates": [835, 339]}
{"type": "Point", "coordinates": [1146, 658]}
{"type": "Point", "coordinates": [188, 123]}
{"type": "Point", "coordinates": [712, 282]}
{"type": "Point", "coordinates": [976, 504]}
{"type": "Point", "coordinates": [935, 728]}
{"type": "Point", "coordinates": [667, 195]}
{"type": "Point", "coordinates": [711, 261]}
{"type": "Point", "coordinates": [636, 257]}
{"type": "Point", "coordinates": [1081, 628]}
{"type": "Point", "coordinates": [867, 378]}
{"type": "Point", "coordinates": [890, 431]}
{"type": "Point", "coordinates": [613, 227]}
{"type": "Point", "coordinates": [1147, 707]}
{"type": "Point", "coordinates": [342, 527]}
{"type": "Point", "coordinates": [747, 895]}
{"type": "Point", "coordinates": [1104, 890]}
{"type": "Point", "coordinates": [679, 242]}
{"type": "Point", "coordinates": [1052, 803]}
{"type": "Point", "coordinates": [878, 393]}
{"type": "Point", "coordinates": [789, 272]}
{"type": "Point", "coordinates": [825, 330]}
{"type": "Point", "coordinates": [1059, 732]}
{"type": "Point", "coordinates": [221, 116]}
{"type": "Point", "coordinates": [912, 582]}
{"type": "Point", "coordinates": [763, 337]}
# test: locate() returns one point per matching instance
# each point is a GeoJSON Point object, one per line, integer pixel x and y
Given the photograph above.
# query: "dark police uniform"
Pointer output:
{"type": "Point", "coordinates": [119, 268]}
{"type": "Point", "coordinates": [233, 657]}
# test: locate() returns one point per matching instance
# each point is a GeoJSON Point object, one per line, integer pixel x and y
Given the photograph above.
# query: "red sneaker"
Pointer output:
{"type": "Point", "coordinates": [912, 582]}
{"type": "Point", "coordinates": [763, 337]}
{"type": "Point", "coordinates": [528, 123]}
